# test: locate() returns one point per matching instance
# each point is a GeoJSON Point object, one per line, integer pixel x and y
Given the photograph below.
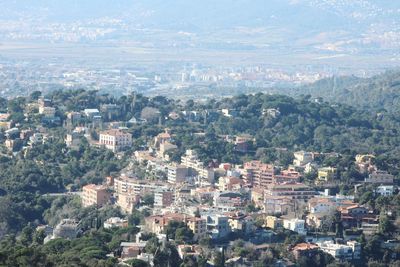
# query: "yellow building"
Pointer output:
{"type": "Point", "coordinates": [198, 227]}
{"type": "Point", "coordinates": [326, 174]}
{"type": "Point", "coordinates": [95, 195]}
{"type": "Point", "coordinates": [273, 222]}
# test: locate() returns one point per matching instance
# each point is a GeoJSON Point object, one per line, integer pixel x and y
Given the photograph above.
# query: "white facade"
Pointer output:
{"type": "Point", "coordinates": [115, 222]}
{"type": "Point", "coordinates": [350, 251]}
{"type": "Point", "coordinates": [191, 160]}
{"type": "Point", "coordinates": [385, 190]}
{"type": "Point", "coordinates": [295, 225]}
{"type": "Point", "coordinates": [115, 140]}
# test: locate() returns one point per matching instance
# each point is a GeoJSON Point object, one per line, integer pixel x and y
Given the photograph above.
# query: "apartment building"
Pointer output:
{"type": "Point", "coordinates": [349, 251]}
{"type": "Point", "coordinates": [177, 173]}
{"type": "Point", "coordinates": [297, 191]}
{"type": "Point", "coordinates": [259, 174]}
{"type": "Point", "coordinates": [196, 167]}
{"type": "Point", "coordinates": [115, 140]}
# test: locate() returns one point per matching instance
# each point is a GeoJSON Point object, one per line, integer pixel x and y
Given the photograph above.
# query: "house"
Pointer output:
{"type": "Point", "coordinates": [228, 199]}
{"type": "Point", "coordinates": [380, 177]}
{"type": "Point", "coordinates": [385, 190]}
{"type": "Point", "coordinates": [308, 250]}
{"type": "Point", "coordinates": [131, 250]}
{"type": "Point", "coordinates": [73, 117]}
{"type": "Point", "coordinates": [257, 196]}
{"type": "Point", "coordinates": [116, 222]}
{"type": "Point", "coordinates": [91, 112]}
{"type": "Point", "coordinates": [326, 174]}
{"type": "Point", "coordinates": [189, 250]}
{"type": "Point", "coordinates": [240, 222]}
{"type": "Point", "coordinates": [320, 205]}
{"type": "Point", "coordinates": [349, 251]}
{"type": "Point", "coordinates": [229, 183]}
{"type": "Point", "coordinates": [127, 201]}
{"type": "Point", "coordinates": [115, 140]}
{"type": "Point", "coordinates": [278, 204]}
{"type": "Point", "coordinates": [353, 216]}
{"type": "Point", "coordinates": [217, 226]}
{"type": "Point", "coordinates": [73, 139]}
{"type": "Point", "coordinates": [97, 195]}
{"type": "Point", "coordinates": [301, 158]}
{"type": "Point", "coordinates": [273, 222]}
{"type": "Point", "coordinates": [295, 225]}
{"type": "Point", "coordinates": [47, 112]}
{"type": "Point", "coordinates": [365, 163]}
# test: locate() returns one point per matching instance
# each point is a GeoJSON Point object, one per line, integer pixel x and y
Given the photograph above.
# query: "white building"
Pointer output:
{"type": "Point", "coordinates": [115, 140]}
{"type": "Point", "coordinates": [301, 158]}
{"type": "Point", "coordinates": [177, 173]}
{"type": "Point", "coordinates": [295, 225]}
{"type": "Point", "coordinates": [350, 251]}
{"type": "Point", "coordinates": [163, 198]}
{"type": "Point", "coordinates": [115, 222]}
{"type": "Point", "coordinates": [47, 112]}
{"type": "Point", "coordinates": [217, 226]}
{"type": "Point", "coordinates": [385, 190]}
{"type": "Point", "coordinates": [191, 160]}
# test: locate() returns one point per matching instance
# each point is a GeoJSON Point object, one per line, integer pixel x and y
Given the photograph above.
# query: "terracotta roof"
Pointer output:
{"type": "Point", "coordinates": [305, 246]}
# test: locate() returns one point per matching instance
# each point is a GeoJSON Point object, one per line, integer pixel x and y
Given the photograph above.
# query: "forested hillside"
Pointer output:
{"type": "Point", "coordinates": [379, 92]}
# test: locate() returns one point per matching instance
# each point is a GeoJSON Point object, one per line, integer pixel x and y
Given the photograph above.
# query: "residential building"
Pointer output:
{"type": "Point", "coordinates": [301, 158]}
{"type": "Point", "coordinates": [295, 225]}
{"type": "Point", "coordinates": [163, 198]}
{"type": "Point", "coordinates": [177, 173]}
{"type": "Point", "coordinates": [127, 201]}
{"type": "Point", "coordinates": [326, 174]}
{"type": "Point", "coordinates": [385, 190]}
{"type": "Point", "coordinates": [349, 251]}
{"type": "Point", "coordinates": [229, 183]}
{"type": "Point", "coordinates": [380, 177]}
{"type": "Point", "coordinates": [298, 191]}
{"type": "Point", "coordinates": [308, 250]}
{"type": "Point", "coordinates": [196, 167]}
{"type": "Point", "coordinates": [95, 195]}
{"type": "Point", "coordinates": [47, 112]}
{"type": "Point", "coordinates": [74, 117]}
{"type": "Point", "coordinates": [278, 204]}
{"type": "Point", "coordinates": [217, 226]}
{"type": "Point", "coordinates": [73, 139]}
{"type": "Point", "coordinates": [273, 222]}
{"type": "Point", "coordinates": [198, 227]}
{"type": "Point", "coordinates": [115, 140]}
{"type": "Point", "coordinates": [228, 199]}
{"type": "Point", "coordinates": [91, 112]}
{"type": "Point", "coordinates": [354, 216]}
{"type": "Point", "coordinates": [287, 176]}
{"type": "Point", "coordinates": [365, 163]}
{"type": "Point", "coordinates": [258, 174]}
{"type": "Point", "coordinates": [115, 222]}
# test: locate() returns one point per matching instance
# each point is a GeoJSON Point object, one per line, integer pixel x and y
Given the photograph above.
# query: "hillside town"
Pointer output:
{"type": "Point", "coordinates": [234, 212]}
